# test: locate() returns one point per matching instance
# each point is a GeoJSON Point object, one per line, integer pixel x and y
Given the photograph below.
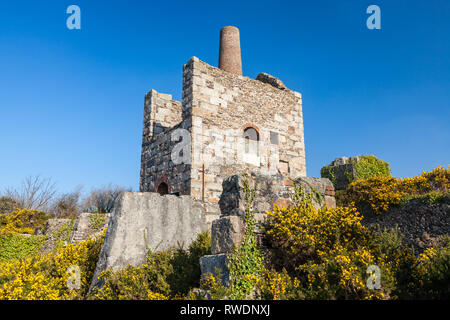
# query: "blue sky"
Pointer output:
{"type": "Point", "coordinates": [71, 101]}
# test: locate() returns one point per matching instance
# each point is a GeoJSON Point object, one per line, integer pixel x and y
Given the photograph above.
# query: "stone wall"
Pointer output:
{"type": "Point", "coordinates": [63, 231]}
{"type": "Point", "coordinates": [422, 224]}
{"type": "Point", "coordinates": [157, 165]}
{"type": "Point", "coordinates": [162, 119]}
{"type": "Point", "coordinates": [86, 226]}
{"type": "Point", "coordinates": [56, 230]}
{"type": "Point", "coordinates": [160, 113]}
{"type": "Point", "coordinates": [142, 221]}
{"type": "Point", "coordinates": [341, 171]}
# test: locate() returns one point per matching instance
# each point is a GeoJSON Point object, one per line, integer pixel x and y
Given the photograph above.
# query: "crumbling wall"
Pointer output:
{"type": "Point", "coordinates": [89, 225]}
{"type": "Point", "coordinates": [157, 164]}
{"type": "Point", "coordinates": [148, 221]}
{"type": "Point", "coordinates": [160, 113]}
{"type": "Point", "coordinates": [162, 120]}
{"type": "Point", "coordinates": [60, 232]}
{"type": "Point", "coordinates": [343, 171]}
{"type": "Point", "coordinates": [422, 225]}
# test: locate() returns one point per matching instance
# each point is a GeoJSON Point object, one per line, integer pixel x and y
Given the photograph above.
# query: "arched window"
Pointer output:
{"type": "Point", "coordinates": [163, 188]}
{"type": "Point", "coordinates": [251, 137]}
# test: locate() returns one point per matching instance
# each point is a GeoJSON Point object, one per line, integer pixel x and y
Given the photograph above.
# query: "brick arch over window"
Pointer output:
{"type": "Point", "coordinates": [162, 185]}
{"type": "Point", "coordinates": [251, 125]}
{"type": "Point", "coordinates": [252, 139]}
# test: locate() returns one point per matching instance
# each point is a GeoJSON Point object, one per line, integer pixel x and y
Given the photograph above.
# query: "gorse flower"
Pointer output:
{"type": "Point", "coordinates": [45, 277]}
{"type": "Point", "coordinates": [381, 193]}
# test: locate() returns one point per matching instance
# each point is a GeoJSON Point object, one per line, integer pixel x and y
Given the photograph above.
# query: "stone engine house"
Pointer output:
{"type": "Point", "coordinates": [226, 124]}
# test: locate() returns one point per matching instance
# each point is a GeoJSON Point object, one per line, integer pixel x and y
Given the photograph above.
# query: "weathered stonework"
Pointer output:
{"type": "Point", "coordinates": [148, 221]}
{"type": "Point", "coordinates": [84, 226]}
{"type": "Point", "coordinates": [162, 118]}
{"type": "Point", "coordinates": [226, 232]}
{"type": "Point", "coordinates": [216, 109]}
{"type": "Point", "coordinates": [64, 231]}
{"type": "Point", "coordinates": [342, 171]}
{"type": "Point", "coordinates": [214, 264]}
{"type": "Point", "coordinates": [271, 190]}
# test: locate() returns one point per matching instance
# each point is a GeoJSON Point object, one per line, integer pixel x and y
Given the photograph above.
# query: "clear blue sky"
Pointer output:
{"type": "Point", "coordinates": [71, 101]}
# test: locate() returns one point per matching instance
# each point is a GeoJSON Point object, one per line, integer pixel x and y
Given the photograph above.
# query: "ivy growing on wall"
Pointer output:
{"type": "Point", "coordinates": [363, 168]}
{"type": "Point", "coordinates": [247, 262]}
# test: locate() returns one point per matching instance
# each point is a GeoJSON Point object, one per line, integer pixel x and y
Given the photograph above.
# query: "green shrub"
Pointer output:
{"type": "Point", "coordinates": [96, 220]}
{"type": "Point", "coordinates": [62, 235]}
{"type": "Point", "coordinates": [46, 277]}
{"type": "Point", "coordinates": [381, 193]}
{"type": "Point", "coordinates": [429, 198]}
{"type": "Point", "coordinates": [15, 246]}
{"type": "Point", "coordinates": [171, 273]}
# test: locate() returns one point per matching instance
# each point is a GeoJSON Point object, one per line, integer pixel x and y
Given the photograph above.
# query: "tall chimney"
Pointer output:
{"type": "Point", "coordinates": [230, 50]}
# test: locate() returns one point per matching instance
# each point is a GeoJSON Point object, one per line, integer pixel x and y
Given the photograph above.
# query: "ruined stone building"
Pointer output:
{"type": "Point", "coordinates": [227, 123]}
{"type": "Point", "coordinates": [193, 154]}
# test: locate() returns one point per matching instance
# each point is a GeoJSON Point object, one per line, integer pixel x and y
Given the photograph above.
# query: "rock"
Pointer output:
{"type": "Point", "coordinates": [214, 264]}
{"type": "Point", "coordinates": [283, 203]}
{"type": "Point", "coordinates": [226, 233]}
{"type": "Point", "coordinates": [273, 81]}
{"type": "Point", "coordinates": [231, 201]}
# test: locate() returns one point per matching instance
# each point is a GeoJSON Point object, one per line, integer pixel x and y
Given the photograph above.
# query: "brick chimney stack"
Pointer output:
{"type": "Point", "coordinates": [230, 50]}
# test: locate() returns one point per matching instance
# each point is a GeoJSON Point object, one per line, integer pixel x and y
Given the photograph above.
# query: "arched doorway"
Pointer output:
{"type": "Point", "coordinates": [163, 188]}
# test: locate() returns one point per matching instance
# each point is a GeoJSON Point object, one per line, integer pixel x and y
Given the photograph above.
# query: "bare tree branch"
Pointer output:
{"type": "Point", "coordinates": [103, 199]}
{"type": "Point", "coordinates": [34, 193]}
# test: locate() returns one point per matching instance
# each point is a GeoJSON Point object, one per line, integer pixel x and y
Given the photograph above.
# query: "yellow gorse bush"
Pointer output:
{"type": "Point", "coordinates": [306, 227]}
{"type": "Point", "coordinates": [328, 248]}
{"type": "Point", "coordinates": [22, 221]}
{"type": "Point", "coordinates": [381, 193]}
{"type": "Point", "coordinates": [45, 277]}
{"type": "Point", "coordinates": [276, 285]}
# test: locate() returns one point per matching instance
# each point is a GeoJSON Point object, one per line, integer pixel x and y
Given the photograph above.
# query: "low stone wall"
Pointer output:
{"type": "Point", "coordinates": [65, 231]}
{"type": "Point", "coordinates": [421, 224]}
{"type": "Point", "coordinates": [89, 225]}
{"type": "Point", "coordinates": [142, 221]}
{"type": "Point", "coordinates": [56, 230]}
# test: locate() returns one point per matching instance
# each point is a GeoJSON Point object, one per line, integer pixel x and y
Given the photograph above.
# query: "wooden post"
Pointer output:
{"type": "Point", "coordinates": [203, 183]}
